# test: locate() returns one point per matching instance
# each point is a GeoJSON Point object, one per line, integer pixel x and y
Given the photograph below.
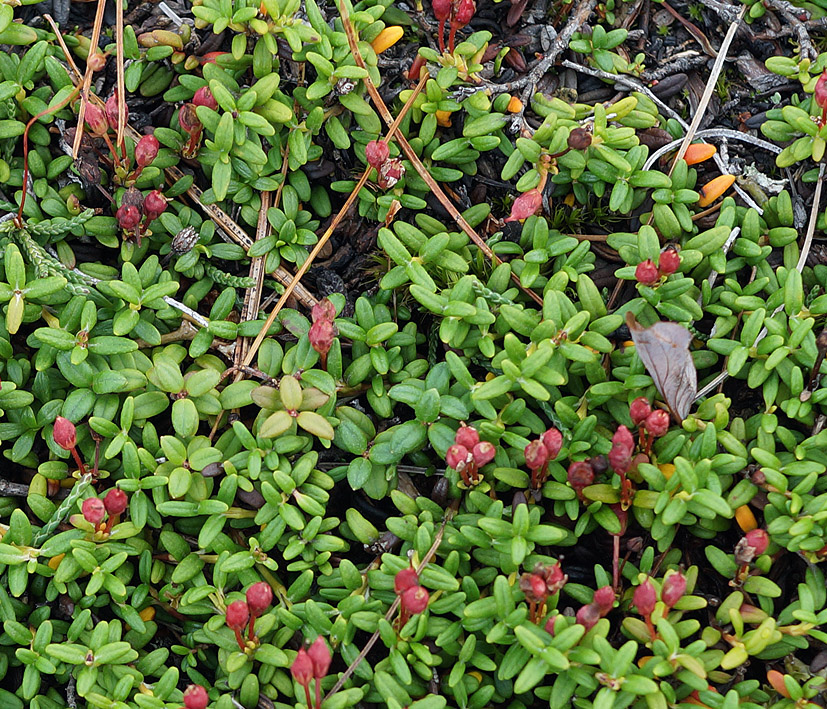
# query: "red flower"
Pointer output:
{"type": "Point", "coordinates": [95, 118]}
{"type": "Point", "coordinates": [465, 11]}
{"type": "Point", "coordinates": [238, 615]}
{"type": "Point", "coordinates": [604, 599]}
{"type": "Point", "coordinates": [376, 153]}
{"type": "Point", "coordinates": [390, 173]}
{"type": "Point", "coordinates": [323, 310]}
{"type": "Point", "coordinates": [588, 615]}
{"type": "Point", "coordinates": [467, 437]}
{"type": "Point", "coordinates": [259, 598]}
{"type": "Point", "coordinates": [115, 501]}
{"type": "Point", "coordinates": [415, 600]}
{"type": "Point", "coordinates": [93, 510]}
{"type": "Point", "coordinates": [302, 668]}
{"type": "Point", "coordinates": [536, 455]}
{"type": "Point", "coordinates": [534, 587]}
{"type": "Point", "coordinates": [320, 656]}
{"type": "Point", "coordinates": [321, 334]}
{"type": "Point", "coordinates": [64, 433]}
{"type": "Point", "coordinates": [759, 540]}
{"type": "Point", "coordinates": [483, 453]}
{"type": "Point", "coordinates": [457, 456]}
{"type": "Point", "coordinates": [669, 262]}
{"type": "Point", "coordinates": [405, 579]}
{"type": "Point", "coordinates": [580, 475]}
{"type": "Point", "coordinates": [553, 442]}
{"type": "Point", "coordinates": [146, 150]}
{"type": "Point", "coordinates": [674, 586]}
{"type": "Point", "coordinates": [442, 9]}
{"type": "Point", "coordinates": [644, 598]}
{"type": "Point", "coordinates": [526, 205]}
{"type": "Point", "coordinates": [639, 409]}
{"type": "Point", "coordinates": [111, 110]}
{"type": "Point", "coordinates": [154, 205]}
{"type": "Point", "coordinates": [195, 697]}
{"type": "Point", "coordinates": [657, 423]}
{"type": "Point", "coordinates": [204, 97]}
{"type": "Point", "coordinates": [820, 93]}
{"type": "Point", "coordinates": [128, 217]}
{"type": "Point", "coordinates": [647, 273]}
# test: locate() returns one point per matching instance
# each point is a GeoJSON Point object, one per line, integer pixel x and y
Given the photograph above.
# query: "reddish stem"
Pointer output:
{"type": "Point", "coordinates": [75, 454]}
{"type": "Point", "coordinates": [451, 35]}
{"type": "Point", "coordinates": [441, 34]}
{"type": "Point", "coordinates": [241, 646]}
{"type": "Point", "coordinates": [307, 694]}
{"type": "Point", "coordinates": [318, 693]}
{"type": "Point", "coordinates": [251, 633]}
{"type": "Point", "coordinates": [616, 563]}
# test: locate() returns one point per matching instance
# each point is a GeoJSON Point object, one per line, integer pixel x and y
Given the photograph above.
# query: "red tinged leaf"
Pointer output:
{"type": "Point", "coordinates": [664, 350]}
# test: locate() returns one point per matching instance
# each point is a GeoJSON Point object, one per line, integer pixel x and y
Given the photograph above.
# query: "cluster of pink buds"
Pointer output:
{"type": "Point", "coordinates": [311, 664]}
{"type": "Point", "coordinates": [191, 124]}
{"type": "Point", "coordinates": [389, 170]}
{"type": "Point", "coordinates": [137, 212]}
{"type": "Point", "coordinates": [413, 598]}
{"type": "Point", "coordinates": [322, 331]}
{"type": "Point", "coordinates": [469, 454]}
{"type": "Point", "coordinates": [243, 614]}
{"type": "Point", "coordinates": [645, 597]}
{"type": "Point", "coordinates": [620, 458]}
{"type": "Point", "coordinates": [651, 423]}
{"type": "Point", "coordinates": [195, 697]}
{"type": "Point", "coordinates": [648, 273]}
{"type": "Point", "coordinates": [94, 509]}
{"type": "Point", "coordinates": [539, 453]}
{"type": "Point", "coordinates": [459, 12]}
{"type": "Point", "coordinates": [601, 605]}
{"type": "Point", "coordinates": [543, 581]}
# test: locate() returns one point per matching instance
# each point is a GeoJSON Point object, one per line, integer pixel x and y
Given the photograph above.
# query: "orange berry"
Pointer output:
{"type": "Point", "coordinates": [745, 518]}
{"type": "Point", "coordinates": [714, 189]}
{"type": "Point", "coordinates": [698, 152]}
{"type": "Point", "coordinates": [514, 105]}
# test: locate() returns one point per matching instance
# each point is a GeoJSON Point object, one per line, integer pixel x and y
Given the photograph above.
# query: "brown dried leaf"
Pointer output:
{"type": "Point", "coordinates": [664, 350]}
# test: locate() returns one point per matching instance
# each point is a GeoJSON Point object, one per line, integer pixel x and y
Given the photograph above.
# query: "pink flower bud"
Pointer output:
{"type": "Point", "coordinates": [580, 475]}
{"type": "Point", "coordinates": [465, 11]}
{"type": "Point", "coordinates": [442, 9]}
{"type": "Point", "coordinates": [526, 205]}
{"type": "Point", "coordinates": [128, 217]}
{"type": "Point", "coordinates": [674, 586]}
{"type": "Point", "coordinates": [820, 93]}
{"type": "Point", "coordinates": [96, 61]}
{"type": "Point", "coordinates": [259, 597]}
{"type": "Point", "coordinates": [204, 97]}
{"type": "Point", "coordinates": [759, 540]}
{"type": "Point", "coordinates": [95, 119]}
{"type": "Point", "coordinates": [405, 579]}
{"type": "Point", "coordinates": [146, 149]}
{"type": "Point", "coordinates": [669, 262]}
{"type": "Point", "coordinates": [483, 453]}
{"type": "Point", "coordinates": [93, 510]}
{"type": "Point", "coordinates": [302, 668]}
{"type": "Point", "coordinates": [644, 598]}
{"type": "Point", "coordinates": [457, 456]}
{"type": "Point", "coordinates": [639, 409]}
{"type": "Point", "coordinates": [323, 310]}
{"type": "Point", "coordinates": [646, 273]}
{"type": "Point", "coordinates": [238, 615]}
{"type": "Point", "coordinates": [415, 600]}
{"type": "Point", "coordinates": [376, 153]}
{"type": "Point", "coordinates": [550, 623]}
{"type": "Point", "coordinates": [657, 423]}
{"type": "Point", "coordinates": [115, 501]}
{"type": "Point", "coordinates": [321, 335]}
{"type": "Point", "coordinates": [111, 110]}
{"type": "Point", "coordinates": [588, 615]}
{"type": "Point", "coordinates": [553, 442]}
{"type": "Point", "coordinates": [624, 437]}
{"type": "Point", "coordinates": [620, 458]}
{"type": "Point", "coordinates": [467, 437]}
{"type": "Point", "coordinates": [320, 656]}
{"type": "Point", "coordinates": [195, 697]}
{"type": "Point", "coordinates": [154, 204]}
{"type": "Point", "coordinates": [604, 599]}
{"type": "Point", "coordinates": [64, 433]}
{"type": "Point", "coordinates": [536, 455]}
{"type": "Point", "coordinates": [537, 584]}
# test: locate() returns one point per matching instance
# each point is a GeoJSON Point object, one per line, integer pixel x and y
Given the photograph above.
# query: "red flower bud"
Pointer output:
{"type": "Point", "coordinates": [146, 149]}
{"type": "Point", "coordinates": [204, 97]}
{"type": "Point", "coordinates": [820, 93]}
{"type": "Point", "coordinates": [238, 615]}
{"type": "Point", "coordinates": [302, 668]}
{"type": "Point", "coordinates": [639, 409]}
{"type": "Point", "coordinates": [457, 456]}
{"type": "Point", "coordinates": [604, 599]}
{"type": "Point", "coordinates": [323, 310]}
{"type": "Point", "coordinates": [579, 139]}
{"type": "Point", "coordinates": [580, 475]}
{"type": "Point", "coordinates": [376, 153]}
{"type": "Point", "coordinates": [321, 335]}
{"type": "Point", "coordinates": [465, 11]}
{"type": "Point", "coordinates": [154, 204]}
{"type": "Point", "coordinates": [111, 110]}
{"type": "Point", "coordinates": [95, 119]}
{"type": "Point", "coordinates": [96, 61]}
{"type": "Point", "coordinates": [128, 217]}
{"type": "Point", "coordinates": [657, 423]}
{"type": "Point", "coordinates": [415, 600]}
{"type": "Point", "coordinates": [588, 615]}
{"type": "Point", "coordinates": [624, 437]}
{"type": "Point", "coordinates": [669, 262]}
{"type": "Point", "coordinates": [115, 501]}
{"type": "Point", "coordinates": [555, 578]}
{"type": "Point", "coordinates": [647, 273]}
{"type": "Point", "coordinates": [442, 9]}
{"type": "Point", "coordinates": [674, 586]}
{"type": "Point", "coordinates": [195, 697]}
{"type": "Point", "coordinates": [536, 455]}
{"type": "Point", "coordinates": [405, 579]}
{"type": "Point", "coordinates": [93, 510]}
{"type": "Point", "coordinates": [467, 437]}
{"type": "Point", "coordinates": [550, 623]}
{"type": "Point", "coordinates": [644, 598]}
{"type": "Point", "coordinates": [483, 453]}
{"type": "Point", "coordinates": [64, 433]}
{"type": "Point", "coordinates": [553, 442]}
{"type": "Point", "coordinates": [320, 656]}
{"type": "Point", "coordinates": [259, 598]}
{"type": "Point", "coordinates": [759, 540]}
{"type": "Point", "coordinates": [620, 457]}
{"type": "Point", "coordinates": [525, 205]}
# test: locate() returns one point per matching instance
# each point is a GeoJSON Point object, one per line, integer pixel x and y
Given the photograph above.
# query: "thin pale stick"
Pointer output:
{"type": "Point", "coordinates": [119, 60]}
{"type": "Point", "coordinates": [87, 79]}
